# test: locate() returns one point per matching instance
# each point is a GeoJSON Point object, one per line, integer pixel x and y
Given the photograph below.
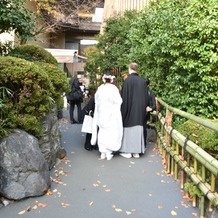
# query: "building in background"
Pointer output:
{"type": "Point", "coordinates": [75, 32]}
{"type": "Point", "coordinates": [114, 7]}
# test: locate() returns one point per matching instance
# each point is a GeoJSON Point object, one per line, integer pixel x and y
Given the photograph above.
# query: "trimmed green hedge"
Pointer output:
{"type": "Point", "coordinates": [59, 81]}
{"type": "Point", "coordinates": [33, 53]}
{"type": "Point", "coordinates": [26, 95]}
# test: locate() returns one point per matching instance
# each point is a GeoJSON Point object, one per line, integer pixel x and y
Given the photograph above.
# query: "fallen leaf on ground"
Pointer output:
{"type": "Point", "coordinates": [59, 194]}
{"type": "Point", "coordinates": [118, 210]}
{"type": "Point", "coordinates": [22, 212]}
{"type": "Point", "coordinates": [42, 205]}
{"type": "Point", "coordinates": [158, 174]}
{"type": "Point", "coordinates": [133, 210]}
{"type": "Point", "coordinates": [128, 213]}
{"type": "Point", "coordinates": [61, 172]}
{"type": "Point", "coordinates": [65, 204]}
{"type": "Point", "coordinates": [194, 214]}
{"type": "Point", "coordinates": [91, 203]}
{"type": "Point", "coordinates": [107, 190]}
{"type": "Point", "coordinates": [28, 209]}
{"type": "Point", "coordinates": [185, 195]}
{"type": "Point", "coordinates": [49, 192]}
{"type": "Point", "coordinates": [132, 162]}
{"type": "Point", "coordinates": [189, 199]}
{"type": "Point", "coordinates": [159, 206]}
{"type": "Point", "coordinates": [173, 213]}
{"type": "Point", "coordinates": [34, 207]}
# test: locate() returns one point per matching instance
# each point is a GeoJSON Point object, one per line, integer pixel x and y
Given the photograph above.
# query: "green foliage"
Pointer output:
{"type": "Point", "coordinates": [14, 16]}
{"type": "Point", "coordinates": [204, 137]}
{"type": "Point", "coordinates": [33, 53]}
{"type": "Point", "coordinates": [59, 81]}
{"type": "Point", "coordinates": [30, 124]}
{"type": "Point", "coordinates": [111, 53]}
{"type": "Point", "coordinates": [176, 46]}
{"type": "Point", "coordinates": [192, 189]}
{"type": "Point", "coordinates": [31, 91]}
{"type": "Point", "coordinates": [93, 62]}
{"type": "Point", "coordinates": [5, 48]}
{"type": "Point", "coordinates": [114, 44]}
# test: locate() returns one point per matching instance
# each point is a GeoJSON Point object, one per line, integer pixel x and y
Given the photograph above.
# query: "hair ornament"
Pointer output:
{"type": "Point", "coordinates": [108, 77]}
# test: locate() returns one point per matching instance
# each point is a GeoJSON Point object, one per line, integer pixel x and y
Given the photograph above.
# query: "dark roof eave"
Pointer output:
{"type": "Point", "coordinates": [88, 27]}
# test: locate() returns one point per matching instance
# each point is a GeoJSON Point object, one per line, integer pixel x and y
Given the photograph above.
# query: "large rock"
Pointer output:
{"type": "Point", "coordinates": [50, 142]}
{"type": "Point", "coordinates": [24, 171]}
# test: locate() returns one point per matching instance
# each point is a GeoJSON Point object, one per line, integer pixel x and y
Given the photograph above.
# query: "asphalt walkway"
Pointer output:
{"type": "Point", "coordinates": [84, 186]}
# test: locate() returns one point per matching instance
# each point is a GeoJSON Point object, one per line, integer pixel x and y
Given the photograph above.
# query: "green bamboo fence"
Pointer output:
{"type": "Point", "coordinates": [184, 156]}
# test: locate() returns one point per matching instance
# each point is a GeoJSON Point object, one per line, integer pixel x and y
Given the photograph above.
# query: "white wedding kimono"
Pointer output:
{"type": "Point", "coordinates": [108, 119]}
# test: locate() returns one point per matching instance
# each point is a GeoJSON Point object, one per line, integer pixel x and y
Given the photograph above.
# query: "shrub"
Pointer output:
{"type": "Point", "coordinates": [48, 63]}
{"type": "Point", "coordinates": [204, 137]}
{"type": "Point", "coordinates": [30, 98]}
{"type": "Point", "coordinates": [33, 53]}
{"type": "Point", "coordinates": [59, 81]}
{"type": "Point", "coordinates": [175, 43]}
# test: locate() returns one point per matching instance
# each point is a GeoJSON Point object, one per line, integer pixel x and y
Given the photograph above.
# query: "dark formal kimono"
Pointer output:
{"type": "Point", "coordinates": [135, 100]}
{"type": "Point", "coordinates": [75, 85]}
{"type": "Point", "coordinates": [152, 105]}
{"type": "Point", "coordinates": [86, 110]}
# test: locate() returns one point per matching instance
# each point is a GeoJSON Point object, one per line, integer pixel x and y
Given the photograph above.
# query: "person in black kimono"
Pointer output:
{"type": "Point", "coordinates": [135, 100]}
{"type": "Point", "coordinates": [90, 107]}
{"type": "Point", "coordinates": [151, 107]}
{"type": "Point", "coordinates": [75, 86]}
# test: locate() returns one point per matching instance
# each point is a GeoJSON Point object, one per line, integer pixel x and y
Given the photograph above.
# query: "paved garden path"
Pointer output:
{"type": "Point", "coordinates": [86, 187]}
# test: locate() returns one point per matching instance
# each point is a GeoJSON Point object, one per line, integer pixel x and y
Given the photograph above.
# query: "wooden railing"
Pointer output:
{"type": "Point", "coordinates": [183, 157]}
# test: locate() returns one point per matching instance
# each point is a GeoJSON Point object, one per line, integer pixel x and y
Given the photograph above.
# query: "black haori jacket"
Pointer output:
{"type": "Point", "coordinates": [135, 100]}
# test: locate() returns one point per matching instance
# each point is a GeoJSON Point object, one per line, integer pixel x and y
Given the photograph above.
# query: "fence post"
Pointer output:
{"type": "Point", "coordinates": [168, 120]}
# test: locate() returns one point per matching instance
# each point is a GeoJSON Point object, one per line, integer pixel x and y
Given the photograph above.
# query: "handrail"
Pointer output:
{"type": "Point", "coordinates": [204, 122]}
{"type": "Point", "coordinates": [181, 153]}
{"type": "Point", "coordinates": [202, 156]}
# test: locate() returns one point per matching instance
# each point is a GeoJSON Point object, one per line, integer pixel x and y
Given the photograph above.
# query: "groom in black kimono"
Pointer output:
{"type": "Point", "coordinates": [135, 100]}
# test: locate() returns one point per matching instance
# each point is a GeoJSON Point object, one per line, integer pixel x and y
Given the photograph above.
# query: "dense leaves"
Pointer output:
{"type": "Point", "coordinates": [33, 53]}
{"type": "Point", "coordinates": [30, 94]}
{"type": "Point", "coordinates": [29, 89]}
{"type": "Point", "coordinates": [176, 46]}
{"type": "Point", "coordinates": [115, 43]}
{"type": "Point", "coordinates": [15, 17]}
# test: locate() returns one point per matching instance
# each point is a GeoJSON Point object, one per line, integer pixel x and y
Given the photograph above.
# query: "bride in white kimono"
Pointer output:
{"type": "Point", "coordinates": [108, 118]}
